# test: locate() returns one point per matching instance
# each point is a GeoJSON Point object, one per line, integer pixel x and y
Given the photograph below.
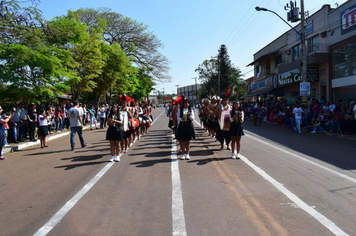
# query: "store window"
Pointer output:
{"type": "Point", "coordinates": [344, 60]}
{"type": "Point", "coordinates": [296, 52]}
{"type": "Point", "coordinates": [313, 44]}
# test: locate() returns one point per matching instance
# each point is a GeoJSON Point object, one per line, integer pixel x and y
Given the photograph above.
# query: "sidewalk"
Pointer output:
{"type": "Point", "coordinates": [27, 143]}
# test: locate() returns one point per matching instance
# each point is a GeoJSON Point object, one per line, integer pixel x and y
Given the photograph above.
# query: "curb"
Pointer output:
{"type": "Point", "coordinates": [29, 143]}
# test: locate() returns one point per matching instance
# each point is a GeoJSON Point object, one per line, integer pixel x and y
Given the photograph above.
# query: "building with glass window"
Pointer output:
{"type": "Point", "coordinates": [331, 55]}
{"type": "Point", "coordinates": [342, 42]}
{"type": "Point", "coordinates": [190, 91]}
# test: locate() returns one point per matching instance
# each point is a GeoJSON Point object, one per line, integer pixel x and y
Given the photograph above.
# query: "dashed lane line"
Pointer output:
{"type": "Point", "coordinates": [44, 230]}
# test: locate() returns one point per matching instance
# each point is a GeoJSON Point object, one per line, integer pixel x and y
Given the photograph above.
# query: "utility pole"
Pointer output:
{"type": "Point", "coordinates": [293, 16]}
{"type": "Point", "coordinates": [304, 53]}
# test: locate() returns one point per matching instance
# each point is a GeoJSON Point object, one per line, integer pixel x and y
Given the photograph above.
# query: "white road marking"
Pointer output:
{"type": "Point", "coordinates": [306, 160]}
{"type": "Point", "coordinates": [302, 205]}
{"type": "Point", "coordinates": [178, 218]}
{"type": "Point", "coordinates": [71, 203]}
{"type": "Point", "coordinates": [44, 230]}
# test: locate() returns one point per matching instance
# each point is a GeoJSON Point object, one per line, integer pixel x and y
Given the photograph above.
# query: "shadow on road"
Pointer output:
{"type": "Point", "coordinates": [329, 148]}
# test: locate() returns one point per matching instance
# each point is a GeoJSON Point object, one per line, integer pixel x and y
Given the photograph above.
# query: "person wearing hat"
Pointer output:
{"type": "Point", "coordinates": [185, 130]}
{"type": "Point", "coordinates": [115, 133]}
{"type": "Point", "coordinates": [223, 132]}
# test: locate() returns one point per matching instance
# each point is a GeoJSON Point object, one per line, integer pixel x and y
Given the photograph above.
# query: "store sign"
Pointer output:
{"type": "Point", "coordinates": [313, 73]}
{"type": "Point", "coordinates": [305, 89]}
{"type": "Point", "coordinates": [348, 20]}
{"type": "Point", "coordinates": [260, 85]}
{"type": "Point", "coordinates": [289, 77]}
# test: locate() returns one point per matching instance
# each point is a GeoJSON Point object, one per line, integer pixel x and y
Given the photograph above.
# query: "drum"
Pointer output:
{"type": "Point", "coordinates": [125, 119]}
{"type": "Point", "coordinates": [221, 118]}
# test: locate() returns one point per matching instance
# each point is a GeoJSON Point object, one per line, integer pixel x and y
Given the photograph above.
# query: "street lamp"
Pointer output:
{"type": "Point", "coordinates": [302, 38]}
{"type": "Point", "coordinates": [265, 9]}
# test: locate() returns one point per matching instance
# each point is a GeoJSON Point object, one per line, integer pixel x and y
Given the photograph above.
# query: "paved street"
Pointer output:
{"type": "Point", "coordinates": [284, 184]}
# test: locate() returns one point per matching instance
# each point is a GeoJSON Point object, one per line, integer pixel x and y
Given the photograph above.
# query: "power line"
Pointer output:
{"type": "Point", "coordinates": [240, 21]}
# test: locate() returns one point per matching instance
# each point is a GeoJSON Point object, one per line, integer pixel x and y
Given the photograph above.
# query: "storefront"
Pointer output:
{"type": "Point", "coordinates": [289, 84]}
{"type": "Point", "coordinates": [258, 91]}
{"type": "Point", "coordinates": [343, 52]}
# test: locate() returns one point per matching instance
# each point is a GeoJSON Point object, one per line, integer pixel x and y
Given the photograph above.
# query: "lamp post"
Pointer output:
{"type": "Point", "coordinates": [177, 89]}
{"type": "Point", "coordinates": [302, 34]}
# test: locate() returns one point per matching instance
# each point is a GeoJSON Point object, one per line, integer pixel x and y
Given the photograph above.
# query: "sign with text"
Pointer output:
{"type": "Point", "coordinates": [290, 77]}
{"type": "Point", "coordinates": [305, 89]}
{"type": "Point", "coordinates": [348, 19]}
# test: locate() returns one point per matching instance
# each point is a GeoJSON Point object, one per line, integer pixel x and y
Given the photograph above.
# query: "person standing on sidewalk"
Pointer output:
{"type": "Point", "coordinates": [298, 113]}
{"type": "Point", "coordinates": [92, 117]}
{"type": "Point", "coordinates": [3, 121]}
{"type": "Point", "coordinates": [102, 115]}
{"type": "Point", "coordinates": [15, 123]}
{"type": "Point", "coordinates": [76, 125]}
{"type": "Point", "coordinates": [32, 121]}
{"type": "Point", "coordinates": [43, 119]}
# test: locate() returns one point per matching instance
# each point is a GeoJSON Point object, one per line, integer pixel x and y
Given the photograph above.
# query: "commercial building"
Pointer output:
{"type": "Point", "coordinates": [190, 91]}
{"type": "Point", "coordinates": [331, 55]}
{"type": "Point", "coordinates": [342, 41]}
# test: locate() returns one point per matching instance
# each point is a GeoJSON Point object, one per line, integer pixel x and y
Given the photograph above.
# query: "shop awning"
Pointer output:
{"type": "Point", "coordinates": [257, 93]}
{"type": "Point", "coordinates": [265, 55]}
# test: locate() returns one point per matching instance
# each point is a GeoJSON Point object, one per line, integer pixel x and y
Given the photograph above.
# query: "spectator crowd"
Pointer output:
{"type": "Point", "coordinates": [20, 123]}
{"type": "Point", "coordinates": [314, 115]}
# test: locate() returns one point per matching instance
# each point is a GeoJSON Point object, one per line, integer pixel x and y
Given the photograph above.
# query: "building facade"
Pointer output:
{"type": "Point", "coordinates": [190, 91]}
{"type": "Point", "coordinates": [342, 46]}
{"type": "Point", "coordinates": [331, 67]}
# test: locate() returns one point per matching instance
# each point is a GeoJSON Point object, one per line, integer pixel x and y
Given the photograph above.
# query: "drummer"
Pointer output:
{"type": "Point", "coordinates": [224, 124]}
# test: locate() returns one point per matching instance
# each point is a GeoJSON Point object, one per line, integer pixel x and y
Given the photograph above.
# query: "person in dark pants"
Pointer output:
{"type": "Point", "coordinates": [76, 125]}
{"type": "Point", "coordinates": [32, 122]}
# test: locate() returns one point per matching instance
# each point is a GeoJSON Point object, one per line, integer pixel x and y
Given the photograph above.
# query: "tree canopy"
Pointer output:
{"type": "Point", "coordinates": [87, 53]}
{"type": "Point", "coordinates": [219, 69]}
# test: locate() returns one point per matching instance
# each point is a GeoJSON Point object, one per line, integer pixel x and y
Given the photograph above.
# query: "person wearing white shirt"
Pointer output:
{"type": "Point", "coordinates": [185, 131]}
{"type": "Point", "coordinates": [76, 125]}
{"type": "Point", "coordinates": [43, 120]}
{"type": "Point", "coordinates": [298, 114]}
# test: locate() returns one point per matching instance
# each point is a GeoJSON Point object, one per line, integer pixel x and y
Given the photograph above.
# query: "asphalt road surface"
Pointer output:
{"type": "Point", "coordinates": [284, 184]}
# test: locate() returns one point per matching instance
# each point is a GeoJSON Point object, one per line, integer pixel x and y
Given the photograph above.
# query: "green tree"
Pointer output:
{"type": "Point", "coordinates": [224, 68]}
{"type": "Point", "coordinates": [237, 83]}
{"type": "Point", "coordinates": [208, 75]}
{"type": "Point", "coordinates": [33, 61]}
{"type": "Point", "coordinates": [141, 45]}
{"type": "Point", "coordinates": [90, 63]}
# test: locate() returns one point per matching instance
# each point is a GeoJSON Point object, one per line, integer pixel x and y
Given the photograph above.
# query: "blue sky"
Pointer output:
{"type": "Point", "coordinates": [193, 30]}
